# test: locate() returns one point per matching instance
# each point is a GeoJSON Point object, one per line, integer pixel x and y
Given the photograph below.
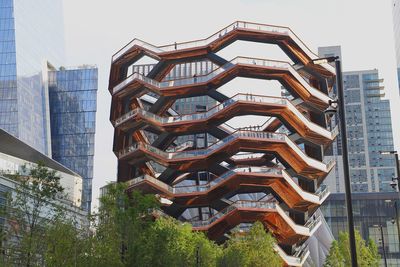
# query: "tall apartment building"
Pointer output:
{"type": "Point", "coordinates": [369, 131]}
{"type": "Point", "coordinates": [396, 29]}
{"type": "Point", "coordinates": [248, 174]}
{"type": "Point", "coordinates": [51, 110]}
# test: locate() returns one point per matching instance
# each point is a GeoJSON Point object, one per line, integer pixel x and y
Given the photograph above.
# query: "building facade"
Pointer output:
{"type": "Point", "coordinates": [52, 110]}
{"type": "Point", "coordinates": [15, 156]}
{"type": "Point", "coordinates": [31, 33]}
{"type": "Point", "coordinates": [370, 212]}
{"type": "Point", "coordinates": [72, 101]}
{"type": "Point", "coordinates": [247, 174]}
{"type": "Point", "coordinates": [369, 131]}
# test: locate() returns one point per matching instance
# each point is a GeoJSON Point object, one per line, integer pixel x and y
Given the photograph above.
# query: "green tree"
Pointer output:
{"type": "Point", "coordinates": [121, 226]}
{"type": "Point", "coordinates": [373, 248]}
{"type": "Point", "coordinates": [172, 243]}
{"type": "Point", "coordinates": [335, 257]}
{"type": "Point", "coordinates": [339, 254]}
{"type": "Point", "coordinates": [129, 232]}
{"type": "Point", "coordinates": [256, 248]}
{"type": "Point", "coordinates": [66, 244]}
{"type": "Point", "coordinates": [29, 210]}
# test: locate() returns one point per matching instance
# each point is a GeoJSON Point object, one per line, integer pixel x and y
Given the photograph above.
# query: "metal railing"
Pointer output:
{"type": "Point", "coordinates": [312, 222]}
{"type": "Point", "coordinates": [187, 189]}
{"type": "Point", "coordinates": [126, 117]}
{"type": "Point", "coordinates": [292, 260]}
{"type": "Point", "coordinates": [227, 175]}
{"type": "Point", "coordinates": [220, 34]}
{"type": "Point", "coordinates": [216, 36]}
{"type": "Point", "coordinates": [203, 78]}
{"type": "Point", "coordinates": [131, 78]}
{"type": "Point", "coordinates": [234, 206]}
{"type": "Point", "coordinates": [131, 44]}
{"type": "Point", "coordinates": [199, 188]}
{"type": "Point", "coordinates": [184, 145]}
{"type": "Point", "coordinates": [322, 191]}
{"type": "Point", "coordinates": [227, 66]}
{"type": "Point", "coordinates": [235, 135]}
{"type": "Point", "coordinates": [153, 180]}
{"type": "Point", "coordinates": [301, 252]}
{"type": "Point", "coordinates": [127, 150]}
{"type": "Point", "coordinates": [220, 107]}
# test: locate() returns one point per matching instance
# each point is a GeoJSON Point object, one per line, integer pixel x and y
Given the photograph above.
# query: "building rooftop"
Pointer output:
{"type": "Point", "coordinates": [12, 146]}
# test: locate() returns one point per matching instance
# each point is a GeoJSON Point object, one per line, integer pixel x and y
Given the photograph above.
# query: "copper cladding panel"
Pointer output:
{"type": "Point", "coordinates": [285, 41]}
{"type": "Point", "coordinates": [270, 218]}
{"type": "Point", "coordinates": [137, 87]}
{"type": "Point", "coordinates": [238, 108]}
{"type": "Point", "coordinates": [201, 162]}
{"type": "Point", "coordinates": [305, 85]}
{"type": "Point", "coordinates": [243, 180]}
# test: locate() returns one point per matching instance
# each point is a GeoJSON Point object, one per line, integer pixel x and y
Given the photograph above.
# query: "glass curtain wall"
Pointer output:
{"type": "Point", "coordinates": [31, 33]}
{"type": "Point", "coordinates": [72, 95]}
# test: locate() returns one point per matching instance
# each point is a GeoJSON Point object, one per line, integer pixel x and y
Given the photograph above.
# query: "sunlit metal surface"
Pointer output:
{"type": "Point", "coordinates": [270, 173]}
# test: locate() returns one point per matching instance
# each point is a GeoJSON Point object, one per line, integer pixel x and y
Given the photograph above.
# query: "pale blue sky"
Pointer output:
{"type": "Point", "coordinates": [96, 29]}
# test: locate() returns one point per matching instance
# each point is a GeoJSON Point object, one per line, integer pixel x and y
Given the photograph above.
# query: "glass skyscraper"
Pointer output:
{"type": "Point", "coordinates": [52, 110]}
{"type": "Point", "coordinates": [369, 131]}
{"type": "Point", "coordinates": [72, 95]}
{"type": "Point", "coordinates": [31, 32]}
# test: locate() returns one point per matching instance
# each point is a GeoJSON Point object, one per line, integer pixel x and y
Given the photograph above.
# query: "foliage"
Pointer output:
{"type": "Point", "coordinates": [128, 222]}
{"type": "Point", "coordinates": [66, 244]}
{"type": "Point", "coordinates": [126, 231]}
{"type": "Point", "coordinates": [30, 209]}
{"type": "Point", "coordinates": [254, 249]}
{"type": "Point", "coordinates": [335, 257]}
{"type": "Point", "coordinates": [339, 254]}
{"type": "Point", "coordinates": [171, 243]}
{"type": "Point", "coordinates": [123, 220]}
{"type": "Point", "coordinates": [145, 241]}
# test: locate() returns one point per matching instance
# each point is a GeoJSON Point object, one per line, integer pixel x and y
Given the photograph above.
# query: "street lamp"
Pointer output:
{"type": "Point", "coordinates": [394, 184]}
{"type": "Point", "coordinates": [330, 111]}
{"type": "Point", "coordinates": [383, 242]}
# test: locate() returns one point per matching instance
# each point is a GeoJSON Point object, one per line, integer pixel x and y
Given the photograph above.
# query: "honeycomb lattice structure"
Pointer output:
{"type": "Point", "coordinates": [233, 177]}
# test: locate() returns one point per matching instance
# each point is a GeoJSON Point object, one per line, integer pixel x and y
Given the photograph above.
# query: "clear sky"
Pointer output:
{"type": "Point", "coordinates": [96, 29]}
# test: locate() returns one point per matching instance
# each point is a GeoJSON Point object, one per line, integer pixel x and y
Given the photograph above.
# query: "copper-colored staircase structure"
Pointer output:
{"type": "Point", "coordinates": [271, 173]}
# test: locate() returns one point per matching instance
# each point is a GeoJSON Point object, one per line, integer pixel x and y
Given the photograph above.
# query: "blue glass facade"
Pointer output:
{"type": "Point", "coordinates": [54, 112]}
{"type": "Point", "coordinates": [72, 95]}
{"type": "Point", "coordinates": [369, 129]}
{"type": "Point", "coordinates": [369, 210]}
{"type": "Point", "coordinates": [8, 69]}
{"type": "Point", "coordinates": [31, 33]}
